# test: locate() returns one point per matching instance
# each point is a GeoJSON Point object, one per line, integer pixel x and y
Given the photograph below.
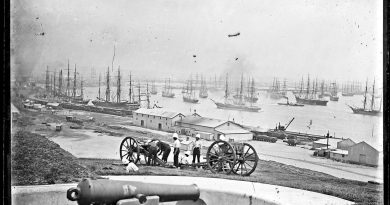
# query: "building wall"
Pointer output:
{"type": "Point", "coordinates": [345, 144]}
{"type": "Point", "coordinates": [152, 122]}
{"type": "Point", "coordinates": [357, 153]}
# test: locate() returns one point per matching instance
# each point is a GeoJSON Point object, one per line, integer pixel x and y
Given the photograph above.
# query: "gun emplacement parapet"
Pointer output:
{"type": "Point", "coordinates": [105, 191]}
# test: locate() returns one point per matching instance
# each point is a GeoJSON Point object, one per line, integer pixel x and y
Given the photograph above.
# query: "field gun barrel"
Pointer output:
{"type": "Point", "coordinates": [105, 191]}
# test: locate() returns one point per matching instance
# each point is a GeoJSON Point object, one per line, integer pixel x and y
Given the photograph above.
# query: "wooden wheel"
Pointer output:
{"type": "Point", "coordinates": [129, 149]}
{"type": "Point", "coordinates": [246, 159]}
{"type": "Point", "coordinates": [221, 157]}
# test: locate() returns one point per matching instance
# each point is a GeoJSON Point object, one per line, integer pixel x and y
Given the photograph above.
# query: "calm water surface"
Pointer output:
{"type": "Point", "coordinates": [336, 117]}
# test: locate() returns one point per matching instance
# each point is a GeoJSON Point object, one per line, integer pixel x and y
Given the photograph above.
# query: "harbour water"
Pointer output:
{"type": "Point", "coordinates": [336, 117]}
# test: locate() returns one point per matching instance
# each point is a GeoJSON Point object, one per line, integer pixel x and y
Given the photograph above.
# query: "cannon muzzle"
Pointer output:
{"type": "Point", "coordinates": [105, 191]}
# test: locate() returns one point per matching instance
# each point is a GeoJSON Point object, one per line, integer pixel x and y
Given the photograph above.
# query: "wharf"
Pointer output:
{"type": "Point", "coordinates": [301, 135]}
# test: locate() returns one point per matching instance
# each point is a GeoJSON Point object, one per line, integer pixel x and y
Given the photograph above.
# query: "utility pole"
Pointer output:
{"type": "Point", "coordinates": [327, 140]}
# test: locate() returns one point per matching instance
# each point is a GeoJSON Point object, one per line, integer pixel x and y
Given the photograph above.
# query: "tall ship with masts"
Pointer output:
{"type": "Point", "coordinates": [154, 89]}
{"type": "Point", "coordinates": [110, 100]}
{"type": "Point", "coordinates": [310, 98]}
{"type": "Point", "coordinates": [167, 92]}
{"type": "Point", "coordinates": [367, 110]}
{"type": "Point", "coordinates": [333, 92]}
{"type": "Point", "coordinates": [251, 96]}
{"type": "Point", "coordinates": [203, 93]}
{"type": "Point", "coordinates": [347, 90]}
{"type": "Point", "coordinates": [235, 104]}
{"type": "Point", "coordinates": [275, 91]}
{"type": "Point", "coordinates": [189, 95]}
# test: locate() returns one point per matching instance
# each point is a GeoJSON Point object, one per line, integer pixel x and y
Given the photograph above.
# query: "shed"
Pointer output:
{"type": "Point", "coordinates": [363, 153]}
{"type": "Point", "coordinates": [339, 155]}
{"type": "Point", "coordinates": [345, 144]}
{"type": "Point", "coordinates": [323, 143]}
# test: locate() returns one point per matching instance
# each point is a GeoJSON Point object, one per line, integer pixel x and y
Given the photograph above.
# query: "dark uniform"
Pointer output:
{"type": "Point", "coordinates": [164, 147]}
{"type": "Point", "coordinates": [152, 152]}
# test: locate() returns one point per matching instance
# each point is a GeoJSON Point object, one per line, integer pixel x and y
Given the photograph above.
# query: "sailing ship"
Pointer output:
{"type": "Point", "coordinates": [189, 96]}
{"type": "Point", "coordinates": [250, 97]}
{"type": "Point", "coordinates": [167, 92]}
{"type": "Point", "coordinates": [236, 104]}
{"type": "Point", "coordinates": [333, 93]}
{"type": "Point", "coordinates": [347, 90]}
{"type": "Point", "coordinates": [108, 102]}
{"type": "Point", "coordinates": [275, 92]}
{"type": "Point", "coordinates": [310, 98]}
{"type": "Point", "coordinates": [203, 89]}
{"type": "Point", "coordinates": [154, 89]}
{"type": "Point", "coordinates": [367, 110]}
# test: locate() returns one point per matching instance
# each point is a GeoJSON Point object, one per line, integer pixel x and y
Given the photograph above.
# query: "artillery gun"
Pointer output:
{"type": "Point", "coordinates": [221, 157]}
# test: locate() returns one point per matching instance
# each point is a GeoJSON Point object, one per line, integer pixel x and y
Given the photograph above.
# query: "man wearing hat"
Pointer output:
{"type": "Point", "coordinates": [164, 147]}
{"type": "Point", "coordinates": [196, 149]}
{"type": "Point", "coordinates": [176, 149]}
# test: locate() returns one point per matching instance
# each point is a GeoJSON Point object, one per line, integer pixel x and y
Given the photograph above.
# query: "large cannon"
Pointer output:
{"type": "Point", "coordinates": [105, 191]}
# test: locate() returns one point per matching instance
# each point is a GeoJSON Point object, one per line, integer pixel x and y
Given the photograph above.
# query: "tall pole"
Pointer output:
{"type": "Point", "coordinates": [365, 97]}
{"type": "Point", "coordinates": [99, 85]}
{"type": "Point", "coordinates": [130, 86]}
{"type": "Point", "coordinates": [68, 84]}
{"type": "Point", "coordinates": [118, 89]}
{"type": "Point", "coordinates": [81, 88]}
{"type": "Point", "coordinates": [147, 94]}
{"type": "Point", "coordinates": [108, 85]}
{"type": "Point", "coordinates": [139, 92]}
{"type": "Point", "coordinates": [74, 81]}
{"type": "Point", "coordinates": [47, 80]}
{"type": "Point", "coordinates": [373, 96]}
{"type": "Point", "coordinates": [60, 83]}
{"type": "Point", "coordinates": [54, 83]}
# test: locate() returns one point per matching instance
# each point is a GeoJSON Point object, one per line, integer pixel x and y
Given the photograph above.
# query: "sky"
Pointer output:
{"type": "Point", "coordinates": [333, 40]}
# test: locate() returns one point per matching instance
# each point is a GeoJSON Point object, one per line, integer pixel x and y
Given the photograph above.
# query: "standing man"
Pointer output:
{"type": "Point", "coordinates": [164, 147]}
{"type": "Point", "coordinates": [176, 150]}
{"type": "Point", "coordinates": [196, 149]}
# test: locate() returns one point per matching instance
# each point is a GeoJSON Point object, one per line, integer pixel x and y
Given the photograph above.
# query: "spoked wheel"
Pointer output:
{"type": "Point", "coordinates": [221, 157]}
{"type": "Point", "coordinates": [246, 160]}
{"type": "Point", "coordinates": [129, 149]}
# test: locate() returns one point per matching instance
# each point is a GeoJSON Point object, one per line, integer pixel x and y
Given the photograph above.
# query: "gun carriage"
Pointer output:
{"type": "Point", "coordinates": [221, 157]}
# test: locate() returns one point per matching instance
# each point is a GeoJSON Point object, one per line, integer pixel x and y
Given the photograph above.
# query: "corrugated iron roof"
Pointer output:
{"type": "Point", "coordinates": [157, 112]}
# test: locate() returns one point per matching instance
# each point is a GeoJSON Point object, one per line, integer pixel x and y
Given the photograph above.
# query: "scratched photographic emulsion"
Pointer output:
{"type": "Point", "coordinates": [196, 102]}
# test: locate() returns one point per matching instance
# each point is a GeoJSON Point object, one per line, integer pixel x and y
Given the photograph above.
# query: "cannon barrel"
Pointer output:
{"type": "Point", "coordinates": [105, 191]}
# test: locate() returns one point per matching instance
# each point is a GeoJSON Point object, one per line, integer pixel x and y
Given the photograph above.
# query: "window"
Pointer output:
{"type": "Point", "coordinates": [160, 118]}
{"type": "Point", "coordinates": [150, 120]}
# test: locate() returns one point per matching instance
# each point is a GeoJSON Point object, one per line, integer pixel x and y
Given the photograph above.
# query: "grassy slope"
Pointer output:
{"type": "Point", "coordinates": [37, 160]}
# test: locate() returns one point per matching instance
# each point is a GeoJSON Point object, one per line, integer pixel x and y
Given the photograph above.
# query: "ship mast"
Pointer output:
{"type": "Point", "coordinates": [308, 87]}
{"type": "Point", "coordinates": [118, 89]}
{"type": "Point", "coordinates": [139, 92]}
{"type": "Point", "coordinates": [68, 83]}
{"type": "Point", "coordinates": [60, 83]}
{"type": "Point", "coordinates": [373, 96]}
{"type": "Point", "coordinates": [74, 82]}
{"type": "Point", "coordinates": [226, 88]}
{"type": "Point", "coordinates": [108, 85]}
{"type": "Point", "coordinates": [365, 97]}
{"type": "Point", "coordinates": [130, 89]}
{"type": "Point", "coordinates": [147, 94]}
{"type": "Point", "coordinates": [54, 83]}
{"type": "Point", "coordinates": [47, 79]}
{"type": "Point", "coordinates": [82, 90]}
{"type": "Point", "coordinates": [99, 86]}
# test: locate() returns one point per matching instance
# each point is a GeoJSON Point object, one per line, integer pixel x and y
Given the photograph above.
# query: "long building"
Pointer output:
{"type": "Point", "coordinates": [212, 129]}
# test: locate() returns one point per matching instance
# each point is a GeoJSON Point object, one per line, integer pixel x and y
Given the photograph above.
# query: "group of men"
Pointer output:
{"type": "Point", "coordinates": [157, 147]}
